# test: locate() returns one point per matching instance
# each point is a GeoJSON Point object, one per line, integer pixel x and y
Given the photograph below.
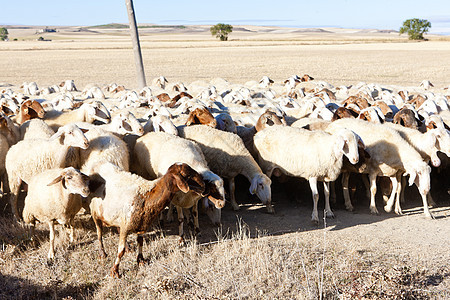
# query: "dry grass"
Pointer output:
{"type": "Point", "coordinates": [240, 265]}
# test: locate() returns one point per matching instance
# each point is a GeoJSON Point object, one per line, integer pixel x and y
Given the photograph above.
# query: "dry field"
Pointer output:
{"type": "Point", "coordinates": [254, 254]}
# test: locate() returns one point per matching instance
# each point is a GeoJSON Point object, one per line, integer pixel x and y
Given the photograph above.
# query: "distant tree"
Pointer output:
{"type": "Point", "coordinates": [3, 33]}
{"type": "Point", "coordinates": [221, 31]}
{"type": "Point", "coordinates": [415, 28]}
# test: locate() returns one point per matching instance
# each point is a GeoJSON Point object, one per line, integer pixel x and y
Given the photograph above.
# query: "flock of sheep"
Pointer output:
{"type": "Point", "coordinates": [124, 156]}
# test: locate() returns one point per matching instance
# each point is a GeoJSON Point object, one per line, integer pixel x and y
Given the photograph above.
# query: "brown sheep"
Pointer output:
{"type": "Point", "coordinates": [406, 117]}
{"type": "Point", "coordinates": [343, 112]}
{"type": "Point", "coordinates": [143, 201]}
{"type": "Point", "coordinates": [30, 109]}
{"type": "Point", "coordinates": [201, 116]}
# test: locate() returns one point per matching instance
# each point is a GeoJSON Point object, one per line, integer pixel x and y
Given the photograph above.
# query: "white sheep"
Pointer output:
{"type": "Point", "coordinates": [160, 82]}
{"type": "Point", "coordinates": [54, 196]}
{"type": "Point", "coordinates": [68, 85]}
{"type": "Point", "coordinates": [32, 156]}
{"type": "Point", "coordinates": [35, 128]}
{"type": "Point", "coordinates": [152, 153]}
{"type": "Point", "coordinates": [132, 203]}
{"type": "Point", "coordinates": [89, 111]}
{"type": "Point", "coordinates": [313, 155]}
{"type": "Point", "coordinates": [389, 154]}
{"type": "Point", "coordinates": [227, 156]}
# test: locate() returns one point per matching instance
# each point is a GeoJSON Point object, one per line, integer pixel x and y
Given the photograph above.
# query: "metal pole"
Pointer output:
{"type": "Point", "coordinates": [136, 46]}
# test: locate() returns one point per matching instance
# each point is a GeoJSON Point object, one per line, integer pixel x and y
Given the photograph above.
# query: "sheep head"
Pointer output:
{"type": "Point", "coordinates": [347, 144]}
{"type": "Point", "coordinates": [71, 135]}
{"type": "Point", "coordinates": [73, 181]}
{"type": "Point", "coordinates": [260, 185]}
{"type": "Point", "coordinates": [185, 179]}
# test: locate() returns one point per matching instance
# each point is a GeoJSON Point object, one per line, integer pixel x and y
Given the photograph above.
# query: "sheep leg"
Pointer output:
{"type": "Point", "coordinates": [71, 233]}
{"type": "Point", "coordinates": [99, 227]}
{"type": "Point", "coordinates": [366, 184]}
{"type": "Point", "coordinates": [140, 242]}
{"type": "Point", "coordinates": [15, 189]}
{"type": "Point", "coordinates": [430, 200]}
{"type": "Point", "coordinates": [373, 191]}
{"type": "Point", "coordinates": [51, 252]}
{"type": "Point", "coordinates": [333, 192]}
{"type": "Point", "coordinates": [402, 194]}
{"type": "Point", "coordinates": [315, 195]}
{"type": "Point", "coordinates": [180, 223]}
{"type": "Point", "coordinates": [400, 187]}
{"type": "Point", "coordinates": [232, 196]}
{"type": "Point", "coordinates": [120, 252]}
{"type": "Point", "coordinates": [170, 213]}
{"type": "Point", "coordinates": [326, 190]}
{"type": "Point", "coordinates": [390, 202]}
{"type": "Point", "coordinates": [195, 215]}
{"type": "Point", "coordinates": [426, 211]}
{"type": "Point", "coordinates": [348, 201]}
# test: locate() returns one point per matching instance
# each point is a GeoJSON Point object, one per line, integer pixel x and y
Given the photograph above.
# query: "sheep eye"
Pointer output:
{"type": "Point", "coordinates": [69, 177]}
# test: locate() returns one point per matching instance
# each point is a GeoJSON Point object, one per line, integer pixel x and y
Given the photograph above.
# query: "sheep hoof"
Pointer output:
{"type": "Point", "coordinates": [387, 208]}
{"type": "Point", "coordinates": [349, 207]}
{"type": "Point", "coordinates": [399, 212]}
{"type": "Point", "coordinates": [270, 209]}
{"type": "Point", "coordinates": [429, 216]}
{"type": "Point", "coordinates": [315, 222]}
{"type": "Point", "coordinates": [115, 271]}
{"type": "Point", "coordinates": [140, 259]}
{"type": "Point", "coordinates": [374, 211]}
{"type": "Point", "coordinates": [330, 214]}
{"type": "Point", "coordinates": [236, 207]}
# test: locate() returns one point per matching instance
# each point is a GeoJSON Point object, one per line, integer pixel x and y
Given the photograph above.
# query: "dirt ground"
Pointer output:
{"type": "Point", "coordinates": [342, 60]}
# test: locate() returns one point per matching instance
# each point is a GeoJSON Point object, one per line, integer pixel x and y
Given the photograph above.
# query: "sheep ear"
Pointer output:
{"type": "Point", "coordinates": [84, 130]}
{"type": "Point", "coordinates": [57, 135]}
{"type": "Point", "coordinates": [253, 185]}
{"type": "Point", "coordinates": [56, 180]}
{"type": "Point", "coordinates": [181, 183]}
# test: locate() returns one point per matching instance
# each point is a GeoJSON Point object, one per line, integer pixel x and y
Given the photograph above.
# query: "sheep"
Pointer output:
{"type": "Point", "coordinates": [201, 116]}
{"type": "Point", "coordinates": [227, 156]}
{"type": "Point", "coordinates": [390, 155]}
{"type": "Point", "coordinates": [160, 82]}
{"type": "Point", "coordinates": [9, 106]}
{"type": "Point", "coordinates": [68, 85]}
{"type": "Point", "coordinates": [54, 196]}
{"type": "Point", "coordinates": [32, 156]}
{"type": "Point", "coordinates": [104, 147]}
{"type": "Point", "coordinates": [343, 112]}
{"type": "Point", "coordinates": [406, 117]}
{"type": "Point", "coordinates": [225, 122]}
{"type": "Point", "coordinates": [93, 92]}
{"type": "Point", "coordinates": [132, 203]}
{"type": "Point", "coordinates": [265, 82]}
{"type": "Point", "coordinates": [35, 128]}
{"type": "Point", "coordinates": [122, 123]}
{"type": "Point", "coordinates": [9, 129]}
{"type": "Point", "coordinates": [427, 145]}
{"type": "Point", "coordinates": [89, 111]}
{"type": "Point", "coordinates": [246, 134]}
{"type": "Point", "coordinates": [303, 158]}
{"type": "Point", "coordinates": [30, 88]}
{"type": "Point", "coordinates": [29, 109]}
{"type": "Point", "coordinates": [151, 153]}
{"type": "Point", "coordinates": [7, 139]}
{"type": "Point", "coordinates": [426, 84]}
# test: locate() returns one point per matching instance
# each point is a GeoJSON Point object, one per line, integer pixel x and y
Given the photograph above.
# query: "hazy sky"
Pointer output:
{"type": "Point", "coordinates": [381, 14]}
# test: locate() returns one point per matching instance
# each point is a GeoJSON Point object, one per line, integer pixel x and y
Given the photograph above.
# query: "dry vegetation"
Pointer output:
{"type": "Point", "coordinates": [253, 255]}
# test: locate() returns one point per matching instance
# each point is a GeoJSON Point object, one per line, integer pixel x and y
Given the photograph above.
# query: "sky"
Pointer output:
{"type": "Point", "coordinates": [381, 14]}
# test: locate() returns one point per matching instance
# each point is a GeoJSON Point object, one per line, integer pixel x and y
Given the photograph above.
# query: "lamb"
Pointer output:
{"type": "Point", "coordinates": [89, 111]}
{"type": "Point", "coordinates": [54, 196]}
{"type": "Point", "coordinates": [32, 156]}
{"type": "Point", "coordinates": [307, 161]}
{"type": "Point", "coordinates": [227, 156]}
{"type": "Point", "coordinates": [132, 203]}
{"type": "Point", "coordinates": [389, 155]}
{"type": "Point", "coordinates": [151, 153]}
